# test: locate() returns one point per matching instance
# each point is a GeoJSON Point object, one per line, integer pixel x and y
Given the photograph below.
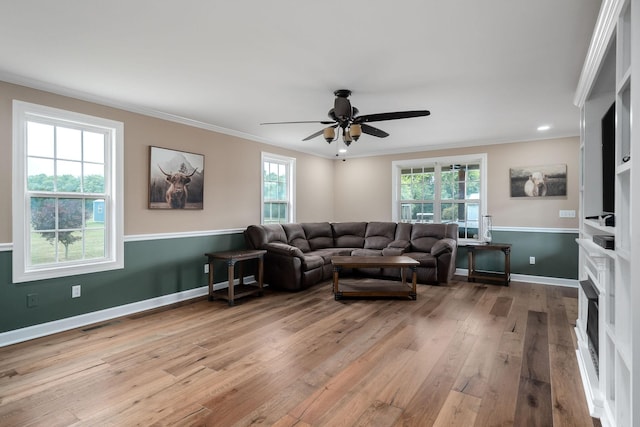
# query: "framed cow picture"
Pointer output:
{"type": "Point", "coordinates": [539, 181]}
{"type": "Point", "coordinates": [176, 179]}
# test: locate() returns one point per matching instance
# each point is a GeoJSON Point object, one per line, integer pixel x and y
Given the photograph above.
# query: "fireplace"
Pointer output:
{"type": "Point", "coordinates": [591, 293]}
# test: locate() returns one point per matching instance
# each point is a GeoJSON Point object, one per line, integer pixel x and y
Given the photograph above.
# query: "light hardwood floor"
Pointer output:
{"type": "Point", "coordinates": [460, 355]}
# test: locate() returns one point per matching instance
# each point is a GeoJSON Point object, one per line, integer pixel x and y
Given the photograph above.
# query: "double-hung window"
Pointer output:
{"type": "Point", "coordinates": [278, 189]}
{"type": "Point", "coordinates": [67, 193]}
{"type": "Point", "coordinates": [442, 190]}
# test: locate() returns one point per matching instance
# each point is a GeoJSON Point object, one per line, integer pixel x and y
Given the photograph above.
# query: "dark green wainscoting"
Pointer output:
{"type": "Point", "coordinates": [153, 268]}
{"type": "Point", "coordinates": [556, 254]}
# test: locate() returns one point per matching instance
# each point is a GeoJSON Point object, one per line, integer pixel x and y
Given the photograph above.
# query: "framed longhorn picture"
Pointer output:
{"type": "Point", "coordinates": [176, 179]}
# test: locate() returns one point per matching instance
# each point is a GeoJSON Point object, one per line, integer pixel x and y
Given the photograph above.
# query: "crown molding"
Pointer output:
{"type": "Point", "coordinates": [600, 40]}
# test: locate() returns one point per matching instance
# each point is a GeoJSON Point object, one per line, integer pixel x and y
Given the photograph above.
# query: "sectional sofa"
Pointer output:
{"type": "Point", "coordinates": [299, 255]}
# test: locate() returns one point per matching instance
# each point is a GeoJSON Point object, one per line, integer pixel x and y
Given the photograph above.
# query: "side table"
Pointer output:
{"type": "Point", "coordinates": [501, 277]}
{"type": "Point", "coordinates": [231, 258]}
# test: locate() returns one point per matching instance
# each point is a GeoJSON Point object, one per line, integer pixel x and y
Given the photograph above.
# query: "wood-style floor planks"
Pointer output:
{"type": "Point", "coordinates": [465, 354]}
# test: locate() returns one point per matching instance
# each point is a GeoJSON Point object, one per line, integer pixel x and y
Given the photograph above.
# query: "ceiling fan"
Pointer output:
{"type": "Point", "coordinates": [345, 117]}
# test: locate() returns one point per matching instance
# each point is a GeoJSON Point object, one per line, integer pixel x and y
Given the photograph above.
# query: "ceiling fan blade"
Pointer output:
{"type": "Point", "coordinates": [320, 132]}
{"type": "Point", "coordinates": [322, 122]}
{"type": "Point", "coordinates": [370, 130]}
{"type": "Point", "coordinates": [391, 116]}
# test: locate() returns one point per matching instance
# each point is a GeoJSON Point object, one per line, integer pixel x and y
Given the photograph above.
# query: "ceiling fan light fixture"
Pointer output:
{"type": "Point", "coordinates": [355, 131]}
{"type": "Point", "coordinates": [329, 134]}
{"type": "Point", "coordinates": [346, 137]}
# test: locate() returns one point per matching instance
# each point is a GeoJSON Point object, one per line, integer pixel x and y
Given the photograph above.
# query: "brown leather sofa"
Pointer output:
{"type": "Point", "coordinates": [299, 255]}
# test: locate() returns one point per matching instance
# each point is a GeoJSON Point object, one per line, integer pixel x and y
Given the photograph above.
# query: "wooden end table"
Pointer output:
{"type": "Point", "coordinates": [501, 277]}
{"type": "Point", "coordinates": [389, 289]}
{"type": "Point", "coordinates": [231, 258]}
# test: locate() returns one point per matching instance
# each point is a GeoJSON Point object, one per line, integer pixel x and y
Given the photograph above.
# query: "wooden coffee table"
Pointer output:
{"type": "Point", "coordinates": [384, 288]}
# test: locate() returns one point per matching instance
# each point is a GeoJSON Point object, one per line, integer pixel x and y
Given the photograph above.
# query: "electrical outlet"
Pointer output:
{"type": "Point", "coordinates": [76, 291]}
{"type": "Point", "coordinates": [32, 300]}
{"type": "Point", "coordinates": [567, 213]}
{"type": "Point", "coordinates": [206, 268]}
{"type": "Point", "coordinates": [532, 260]}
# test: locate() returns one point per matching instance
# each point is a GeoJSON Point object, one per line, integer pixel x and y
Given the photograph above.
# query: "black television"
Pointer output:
{"type": "Point", "coordinates": [609, 160]}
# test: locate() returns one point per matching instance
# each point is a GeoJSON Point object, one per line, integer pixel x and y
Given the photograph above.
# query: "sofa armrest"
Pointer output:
{"type": "Point", "coordinates": [396, 248]}
{"type": "Point", "coordinates": [443, 246]}
{"type": "Point", "coordinates": [283, 249]}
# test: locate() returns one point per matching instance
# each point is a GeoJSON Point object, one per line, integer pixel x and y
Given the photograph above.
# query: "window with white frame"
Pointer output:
{"type": "Point", "coordinates": [278, 189]}
{"type": "Point", "coordinates": [442, 190]}
{"type": "Point", "coordinates": [67, 193]}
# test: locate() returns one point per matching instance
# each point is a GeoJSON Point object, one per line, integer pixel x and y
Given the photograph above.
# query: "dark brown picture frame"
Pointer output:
{"type": "Point", "coordinates": [176, 179]}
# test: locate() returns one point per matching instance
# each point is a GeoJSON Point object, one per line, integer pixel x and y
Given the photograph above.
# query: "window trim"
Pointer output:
{"type": "Point", "coordinates": [398, 165]}
{"type": "Point", "coordinates": [114, 184]}
{"type": "Point", "coordinates": [291, 169]}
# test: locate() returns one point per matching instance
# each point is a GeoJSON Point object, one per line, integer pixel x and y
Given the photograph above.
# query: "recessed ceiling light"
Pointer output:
{"type": "Point", "coordinates": [343, 150]}
{"type": "Point", "coordinates": [543, 128]}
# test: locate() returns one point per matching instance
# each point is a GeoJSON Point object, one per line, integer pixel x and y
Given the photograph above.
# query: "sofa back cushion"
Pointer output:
{"type": "Point", "coordinates": [403, 231]}
{"type": "Point", "coordinates": [379, 235]}
{"type": "Point", "coordinates": [424, 236]}
{"type": "Point", "coordinates": [257, 236]}
{"type": "Point", "coordinates": [296, 237]}
{"type": "Point", "coordinates": [349, 234]}
{"type": "Point", "coordinates": [319, 234]}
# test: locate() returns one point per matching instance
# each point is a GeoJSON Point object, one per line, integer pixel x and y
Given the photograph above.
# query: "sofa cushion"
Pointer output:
{"type": "Point", "coordinates": [424, 236]}
{"type": "Point", "coordinates": [296, 237]}
{"type": "Point", "coordinates": [426, 260]}
{"type": "Point", "coordinates": [379, 235]}
{"type": "Point", "coordinates": [349, 234]}
{"type": "Point", "coordinates": [329, 253]}
{"type": "Point", "coordinates": [367, 252]}
{"type": "Point", "coordinates": [310, 262]}
{"type": "Point", "coordinates": [319, 234]}
{"type": "Point", "coordinates": [403, 231]}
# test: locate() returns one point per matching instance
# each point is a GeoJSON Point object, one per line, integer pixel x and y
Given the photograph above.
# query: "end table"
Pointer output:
{"type": "Point", "coordinates": [231, 258]}
{"type": "Point", "coordinates": [502, 277]}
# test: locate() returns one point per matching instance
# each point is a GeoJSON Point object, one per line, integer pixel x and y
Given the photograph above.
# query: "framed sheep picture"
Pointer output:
{"type": "Point", "coordinates": [539, 181]}
{"type": "Point", "coordinates": [176, 179]}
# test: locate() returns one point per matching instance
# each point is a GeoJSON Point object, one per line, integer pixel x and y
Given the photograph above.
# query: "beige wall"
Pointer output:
{"type": "Point", "coordinates": [232, 170]}
{"type": "Point", "coordinates": [326, 189]}
{"type": "Point", "coordinates": [363, 186]}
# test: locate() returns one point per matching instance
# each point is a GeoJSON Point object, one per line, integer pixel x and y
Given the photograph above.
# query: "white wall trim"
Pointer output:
{"type": "Point", "coordinates": [526, 278]}
{"type": "Point", "coordinates": [5, 247]}
{"type": "Point", "coordinates": [181, 235]}
{"type": "Point", "coordinates": [49, 328]}
{"type": "Point", "coordinates": [537, 230]}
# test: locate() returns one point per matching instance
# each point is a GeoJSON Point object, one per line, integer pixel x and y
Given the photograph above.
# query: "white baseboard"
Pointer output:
{"type": "Point", "coordinates": [41, 330]}
{"type": "Point", "coordinates": [543, 280]}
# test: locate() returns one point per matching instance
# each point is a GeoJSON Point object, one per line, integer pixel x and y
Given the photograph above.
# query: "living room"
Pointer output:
{"type": "Point", "coordinates": [158, 272]}
{"type": "Point", "coordinates": [164, 250]}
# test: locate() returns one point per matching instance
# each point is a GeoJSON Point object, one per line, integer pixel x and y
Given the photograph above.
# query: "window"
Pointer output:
{"type": "Point", "coordinates": [67, 193]}
{"type": "Point", "coordinates": [446, 190]}
{"type": "Point", "coordinates": [278, 177]}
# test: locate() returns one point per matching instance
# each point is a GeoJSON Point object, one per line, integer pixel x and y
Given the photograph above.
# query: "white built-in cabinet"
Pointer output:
{"type": "Point", "coordinates": [612, 74]}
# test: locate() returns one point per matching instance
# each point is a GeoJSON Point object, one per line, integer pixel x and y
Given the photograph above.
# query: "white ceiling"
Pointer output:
{"type": "Point", "coordinates": [489, 71]}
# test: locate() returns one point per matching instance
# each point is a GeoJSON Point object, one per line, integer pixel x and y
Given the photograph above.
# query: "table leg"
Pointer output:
{"type": "Point", "coordinates": [260, 274]}
{"type": "Point", "coordinates": [231, 281]}
{"type": "Point", "coordinates": [336, 274]}
{"type": "Point", "coordinates": [414, 281]}
{"type": "Point", "coordinates": [507, 266]}
{"type": "Point", "coordinates": [210, 279]}
{"type": "Point", "coordinates": [471, 262]}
